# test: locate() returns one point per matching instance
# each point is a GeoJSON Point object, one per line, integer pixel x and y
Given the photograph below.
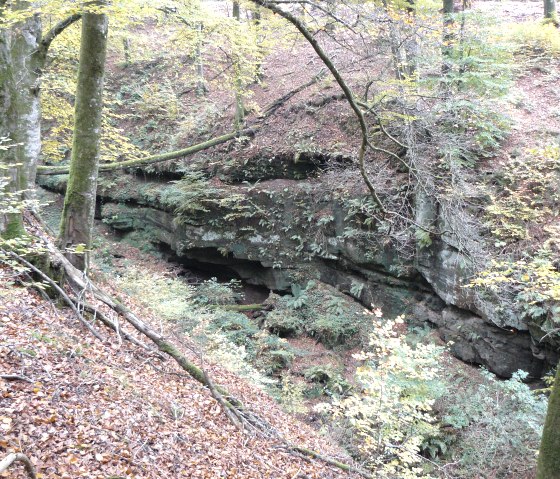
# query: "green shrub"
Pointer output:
{"type": "Point", "coordinates": [331, 381]}
{"type": "Point", "coordinates": [392, 413]}
{"type": "Point", "coordinates": [291, 395]}
{"type": "Point", "coordinates": [212, 292]}
{"type": "Point", "coordinates": [333, 329]}
{"type": "Point", "coordinates": [168, 298]}
{"type": "Point", "coordinates": [283, 323]}
{"type": "Point", "coordinates": [273, 354]}
{"type": "Point", "coordinates": [498, 426]}
{"type": "Point", "coordinates": [235, 327]}
{"type": "Point", "coordinates": [319, 311]}
{"type": "Point", "coordinates": [534, 37]}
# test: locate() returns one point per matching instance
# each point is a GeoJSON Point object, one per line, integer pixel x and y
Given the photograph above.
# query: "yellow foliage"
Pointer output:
{"type": "Point", "coordinates": [393, 411]}
{"type": "Point", "coordinates": [535, 36]}
{"type": "Point", "coordinates": [531, 188]}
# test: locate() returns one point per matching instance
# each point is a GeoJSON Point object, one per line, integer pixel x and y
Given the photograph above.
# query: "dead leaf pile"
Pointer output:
{"type": "Point", "coordinates": [83, 408]}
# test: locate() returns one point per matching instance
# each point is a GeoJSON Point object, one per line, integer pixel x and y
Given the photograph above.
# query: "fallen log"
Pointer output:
{"type": "Point", "coordinates": [150, 160]}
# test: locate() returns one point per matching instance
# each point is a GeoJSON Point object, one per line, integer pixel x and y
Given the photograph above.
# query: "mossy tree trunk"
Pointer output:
{"type": "Point", "coordinates": [23, 52]}
{"type": "Point", "coordinates": [549, 454]}
{"type": "Point", "coordinates": [79, 203]}
{"type": "Point", "coordinates": [21, 61]}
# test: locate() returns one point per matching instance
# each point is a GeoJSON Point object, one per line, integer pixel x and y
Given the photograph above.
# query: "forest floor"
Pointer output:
{"type": "Point", "coordinates": [86, 408]}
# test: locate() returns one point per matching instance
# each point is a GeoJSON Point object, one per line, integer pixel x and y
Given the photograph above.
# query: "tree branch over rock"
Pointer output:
{"type": "Point", "coordinates": [343, 86]}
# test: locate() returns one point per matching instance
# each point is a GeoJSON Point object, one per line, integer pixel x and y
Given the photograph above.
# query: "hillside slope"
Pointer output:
{"type": "Point", "coordinates": [99, 410]}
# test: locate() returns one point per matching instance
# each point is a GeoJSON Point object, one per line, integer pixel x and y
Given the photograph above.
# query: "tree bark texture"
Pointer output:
{"type": "Point", "coordinates": [21, 62]}
{"type": "Point", "coordinates": [79, 203]}
{"type": "Point", "coordinates": [550, 9]}
{"type": "Point", "coordinates": [448, 36]}
{"type": "Point", "coordinates": [549, 454]}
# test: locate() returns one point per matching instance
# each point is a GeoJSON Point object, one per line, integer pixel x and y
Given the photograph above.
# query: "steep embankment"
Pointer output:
{"type": "Point", "coordinates": [82, 408]}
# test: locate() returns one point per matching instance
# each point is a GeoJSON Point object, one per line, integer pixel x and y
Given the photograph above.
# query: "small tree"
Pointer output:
{"type": "Point", "coordinates": [79, 203]}
{"type": "Point", "coordinates": [239, 107]}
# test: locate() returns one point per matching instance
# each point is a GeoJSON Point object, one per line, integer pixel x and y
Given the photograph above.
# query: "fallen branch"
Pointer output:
{"type": "Point", "coordinates": [191, 150]}
{"type": "Point", "coordinates": [348, 94]}
{"type": "Point", "coordinates": [15, 377]}
{"type": "Point", "coordinates": [113, 325]}
{"type": "Point", "coordinates": [243, 307]}
{"type": "Point", "coordinates": [329, 460]}
{"type": "Point", "coordinates": [150, 160]}
{"type": "Point", "coordinates": [272, 107]}
{"type": "Point", "coordinates": [18, 457]}
{"type": "Point", "coordinates": [233, 408]}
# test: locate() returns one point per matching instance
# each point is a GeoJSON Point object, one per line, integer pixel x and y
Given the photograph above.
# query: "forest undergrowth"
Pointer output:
{"type": "Point", "coordinates": [380, 395]}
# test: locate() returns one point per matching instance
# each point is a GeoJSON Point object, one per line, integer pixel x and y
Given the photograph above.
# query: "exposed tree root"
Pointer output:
{"type": "Point", "coordinates": [57, 288]}
{"type": "Point", "coordinates": [18, 457]}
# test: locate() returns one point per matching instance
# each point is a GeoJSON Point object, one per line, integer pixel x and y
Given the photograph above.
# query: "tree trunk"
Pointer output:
{"type": "Point", "coordinates": [549, 454]}
{"type": "Point", "coordinates": [550, 10]}
{"type": "Point", "coordinates": [126, 49]}
{"type": "Point", "coordinates": [79, 203]}
{"type": "Point", "coordinates": [448, 36]}
{"type": "Point", "coordinates": [201, 87]}
{"type": "Point", "coordinates": [396, 42]}
{"type": "Point", "coordinates": [257, 19]}
{"type": "Point", "coordinates": [239, 108]}
{"type": "Point", "coordinates": [21, 61]}
{"type": "Point", "coordinates": [411, 44]}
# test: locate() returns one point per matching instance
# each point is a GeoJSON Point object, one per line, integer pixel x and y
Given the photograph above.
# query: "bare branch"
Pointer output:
{"type": "Point", "coordinates": [57, 30]}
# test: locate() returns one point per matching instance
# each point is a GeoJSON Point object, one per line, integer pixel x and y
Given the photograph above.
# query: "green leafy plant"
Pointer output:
{"type": "Point", "coordinates": [392, 411]}
{"type": "Point", "coordinates": [491, 421]}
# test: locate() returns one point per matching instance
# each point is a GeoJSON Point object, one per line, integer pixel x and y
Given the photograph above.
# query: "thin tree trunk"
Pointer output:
{"type": "Point", "coordinates": [79, 203]}
{"type": "Point", "coordinates": [257, 20]}
{"type": "Point", "coordinates": [201, 87]}
{"type": "Point", "coordinates": [411, 45]}
{"type": "Point", "coordinates": [549, 454]}
{"type": "Point", "coordinates": [126, 48]}
{"type": "Point", "coordinates": [448, 36]}
{"type": "Point", "coordinates": [239, 108]}
{"type": "Point", "coordinates": [399, 60]}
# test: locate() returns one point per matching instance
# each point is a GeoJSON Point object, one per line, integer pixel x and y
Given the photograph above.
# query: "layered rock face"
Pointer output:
{"type": "Point", "coordinates": [295, 225]}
